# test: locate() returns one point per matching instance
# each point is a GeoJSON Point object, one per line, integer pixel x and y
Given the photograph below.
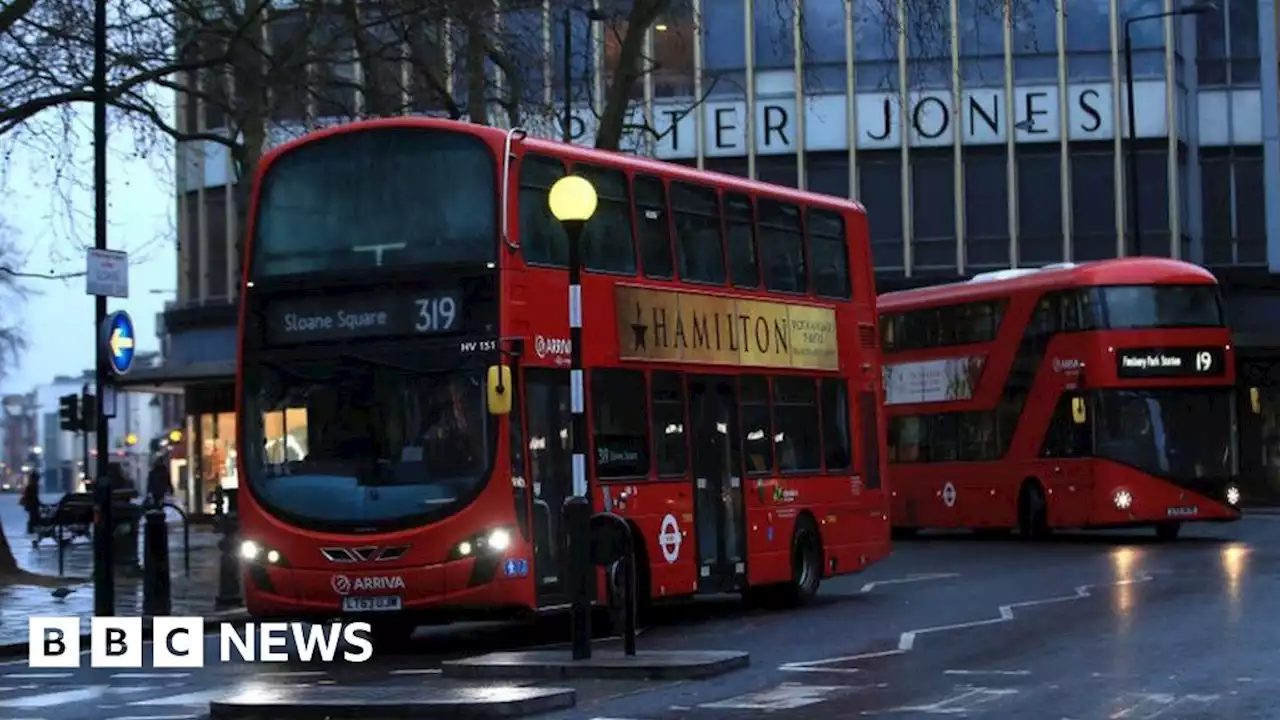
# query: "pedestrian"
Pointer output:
{"type": "Point", "coordinates": [159, 485]}
{"type": "Point", "coordinates": [31, 501]}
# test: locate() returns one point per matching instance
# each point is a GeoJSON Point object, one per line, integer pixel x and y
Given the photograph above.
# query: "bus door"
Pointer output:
{"type": "Point", "coordinates": [546, 396]}
{"type": "Point", "coordinates": [1068, 443]}
{"type": "Point", "coordinates": [717, 472]}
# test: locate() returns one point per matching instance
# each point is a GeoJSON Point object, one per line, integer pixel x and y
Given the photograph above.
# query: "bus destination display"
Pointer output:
{"type": "Point", "coordinates": [378, 314]}
{"type": "Point", "coordinates": [1170, 362]}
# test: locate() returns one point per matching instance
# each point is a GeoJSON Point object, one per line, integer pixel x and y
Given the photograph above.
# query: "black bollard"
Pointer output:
{"type": "Point", "coordinates": [577, 520]}
{"type": "Point", "coordinates": [157, 598]}
{"type": "Point", "coordinates": [228, 557]}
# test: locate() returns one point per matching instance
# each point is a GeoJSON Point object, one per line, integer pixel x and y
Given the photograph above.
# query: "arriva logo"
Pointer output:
{"type": "Point", "coordinates": [545, 346]}
{"type": "Point", "coordinates": [343, 584]}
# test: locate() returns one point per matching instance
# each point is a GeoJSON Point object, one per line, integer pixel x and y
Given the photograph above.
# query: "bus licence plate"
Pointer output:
{"type": "Point", "coordinates": [1177, 511]}
{"type": "Point", "coordinates": [370, 604]}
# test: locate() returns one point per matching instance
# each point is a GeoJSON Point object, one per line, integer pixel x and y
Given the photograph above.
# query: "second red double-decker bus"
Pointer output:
{"type": "Point", "coordinates": [404, 393]}
{"type": "Point", "coordinates": [1073, 396]}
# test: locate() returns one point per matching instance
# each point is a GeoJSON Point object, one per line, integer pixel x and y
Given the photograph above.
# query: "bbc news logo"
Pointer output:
{"type": "Point", "coordinates": [179, 642]}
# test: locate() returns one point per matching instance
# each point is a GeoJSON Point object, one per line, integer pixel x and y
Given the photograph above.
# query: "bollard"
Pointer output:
{"type": "Point", "coordinates": [228, 561]}
{"type": "Point", "coordinates": [629, 599]}
{"type": "Point", "coordinates": [157, 597]}
{"type": "Point", "coordinates": [577, 519]}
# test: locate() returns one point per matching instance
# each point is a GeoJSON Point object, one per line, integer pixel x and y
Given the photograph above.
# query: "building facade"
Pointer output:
{"type": "Point", "coordinates": [980, 135]}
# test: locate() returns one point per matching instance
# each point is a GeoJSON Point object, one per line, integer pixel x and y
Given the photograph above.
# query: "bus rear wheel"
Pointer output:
{"type": "Point", "coordinates": [806, 572]}
{"type": "Point", "coordinates": [1033, 512]}
{"type": "Point", "coordinates": [1168, 532]}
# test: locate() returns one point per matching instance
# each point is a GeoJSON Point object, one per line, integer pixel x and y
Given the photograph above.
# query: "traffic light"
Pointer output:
{"type": "Point", "coordinates": [89, 412]}
{"type": "Point", "coordinates": [69, 413]}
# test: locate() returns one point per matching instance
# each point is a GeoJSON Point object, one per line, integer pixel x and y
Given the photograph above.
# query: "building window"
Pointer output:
{"type": "Point", "coordinates": [981, 35]}
{"type": "Point", "coordinates": [773, 46]}
{"type": "Point", "coordinates": [824, 48]}
{"type": "Point", "coordinates": [673, 51]}
{"type": "Point", "coordinates": [880, 187]}
{"type": "Point", "coordinates": [618, 422]}
{"type": "Point", "coordinates": [875, 46]}
{"type": "Point", "coordinates": [1089, 41]}
{"type": "Point", "coordinates": [1039, 205]}
{"type": "Point", "coordinates": [1153, 189]}
{"type": "Point", "coordinates": [986, 208]}
{"type": "Point", "coordinates": [1246, 66]}
{"type": "Point", "coordinates": [1093, 201]}
{"type": "Point", "coordinates": [724, 47]}
{"type": "Point", "coordinates": [933, 209]}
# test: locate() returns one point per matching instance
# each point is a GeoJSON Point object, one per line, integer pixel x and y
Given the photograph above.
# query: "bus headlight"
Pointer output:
{"type": "Point", "coordinates": [490, 542]}
{"type": "Point", "coordinates": [1122, 499]}
{"type": "Point", "coordinates": [499, 540]}
{"type": "Point", "coordinates": [254, 552]}
{"type": "Point", "coordinates": [1233, 495]}
{"type": "Point", "coordinates": [250, 550]}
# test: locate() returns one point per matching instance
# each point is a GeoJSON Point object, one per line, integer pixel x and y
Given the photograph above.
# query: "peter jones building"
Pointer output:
{"type": "Point", "coordinates": [976, 141]}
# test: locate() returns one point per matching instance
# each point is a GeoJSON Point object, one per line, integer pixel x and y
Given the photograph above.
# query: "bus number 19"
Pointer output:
{"type": "Point", "coordinates": [435, 314]}
{"type": "Point", "coordinates": [1204, 361]}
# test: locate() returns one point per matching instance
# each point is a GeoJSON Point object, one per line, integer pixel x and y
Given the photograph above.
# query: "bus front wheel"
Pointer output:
{"type": "Point", "coordinates": [1033, 512]}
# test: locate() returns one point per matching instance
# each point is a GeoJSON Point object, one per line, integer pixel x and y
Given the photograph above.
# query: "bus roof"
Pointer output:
{"type": "Point", "coordinates": [577, 153]}
{"type": "Point", "coordinates": [1002, 283]}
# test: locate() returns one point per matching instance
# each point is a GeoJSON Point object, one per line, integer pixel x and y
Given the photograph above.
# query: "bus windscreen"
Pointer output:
{"type": "Point", "coordinates": [390, 197]}
{"type": "Point", "coordinates": [356, 440]}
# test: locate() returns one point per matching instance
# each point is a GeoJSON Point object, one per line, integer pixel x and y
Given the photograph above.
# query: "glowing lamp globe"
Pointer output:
{"type": "Point", "coordinates": [572, 198]}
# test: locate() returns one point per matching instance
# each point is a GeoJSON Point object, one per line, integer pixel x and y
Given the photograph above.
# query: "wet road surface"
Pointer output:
{"type": "Point", "coordinates": [1105, 626]}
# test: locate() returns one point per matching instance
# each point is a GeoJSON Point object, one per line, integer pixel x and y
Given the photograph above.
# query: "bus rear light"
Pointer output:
{"type": "Point", "coordinates": [1123, 499]}
{"type": "Point", "coordinates": [1233, 495]}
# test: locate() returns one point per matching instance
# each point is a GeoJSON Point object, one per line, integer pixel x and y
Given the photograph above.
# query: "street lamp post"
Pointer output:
{"type": "Point", "coordinates": [573, 201]}
{"type": "Point", "coordinates": [1131, 147]}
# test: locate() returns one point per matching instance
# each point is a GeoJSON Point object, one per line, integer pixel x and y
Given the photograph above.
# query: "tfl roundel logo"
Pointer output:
{"type": "Point", "coordinates": [341, 584]}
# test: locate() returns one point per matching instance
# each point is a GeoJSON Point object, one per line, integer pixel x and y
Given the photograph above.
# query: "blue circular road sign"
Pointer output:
{"type": "Point", "coordinates": [118, 341]}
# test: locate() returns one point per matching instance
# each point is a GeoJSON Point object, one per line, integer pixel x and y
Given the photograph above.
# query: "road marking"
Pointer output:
{"type": "Point", "coordinates": [417, 671]}
{"type": "Point", "coordinates": [36, 676]}
{"type": "Point", "coordinates": [203, 697]}
{"type": "Point", "coordinates": [921, 577]}
{"type": "Point", "coordinates": [55, 698]}
{"type": "Point", "coordinates": [907, 640]}
{"type": "Point", "coordinates": [787, 696]}
{"type": "Point", "coordinates": [969, 699]}
{"type": "Point", "coordinates": [1156, 704]}
{"type": "Point", "coordinates": [149, 676]}
{"type": "Point", "coordinates": [156, 717]}
{"type": "Point", "coordinates": [1018, 673]}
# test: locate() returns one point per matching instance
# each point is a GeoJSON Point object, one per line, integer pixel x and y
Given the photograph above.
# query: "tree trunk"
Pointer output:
{"type": "Point", "coordinates": [627, 74]}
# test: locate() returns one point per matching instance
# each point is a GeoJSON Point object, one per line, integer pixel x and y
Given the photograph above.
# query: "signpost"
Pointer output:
{"type": "Point", "coordinates": [116, 339]}
{"type": "Point", "coordinates": [107, 273]}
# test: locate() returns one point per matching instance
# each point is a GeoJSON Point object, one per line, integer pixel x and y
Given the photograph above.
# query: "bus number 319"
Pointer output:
{"type": "Point", "coordinates": [435, 314]}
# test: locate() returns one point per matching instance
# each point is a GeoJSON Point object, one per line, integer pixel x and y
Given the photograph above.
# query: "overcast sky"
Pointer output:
{"type": "Point", "coordinates": [52, 233]}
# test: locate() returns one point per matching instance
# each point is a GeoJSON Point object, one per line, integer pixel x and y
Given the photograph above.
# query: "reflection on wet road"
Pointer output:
{"type": "Point", "coordinates": [1083, 626]}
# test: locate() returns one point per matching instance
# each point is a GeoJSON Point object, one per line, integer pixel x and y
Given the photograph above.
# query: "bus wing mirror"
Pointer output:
{"type": "Point", "coordinates": [1079, 413]}
{"type": "Point", "coordinates": [499, 390]}
{"type": "Point", "coordinates": [1255, 401]}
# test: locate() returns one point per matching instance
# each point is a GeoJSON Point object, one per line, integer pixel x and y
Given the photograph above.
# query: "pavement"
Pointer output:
{"type": "Point", "coordinates": [192, 594]}
{"type": "Point", "coordinates": [1078, 627]}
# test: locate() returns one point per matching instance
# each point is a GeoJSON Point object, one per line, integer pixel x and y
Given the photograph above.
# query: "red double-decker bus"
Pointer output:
{"type": "Point", "coordinates": [404, 403]}
{"type": "Point", "coordinates": [1073, 396]}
